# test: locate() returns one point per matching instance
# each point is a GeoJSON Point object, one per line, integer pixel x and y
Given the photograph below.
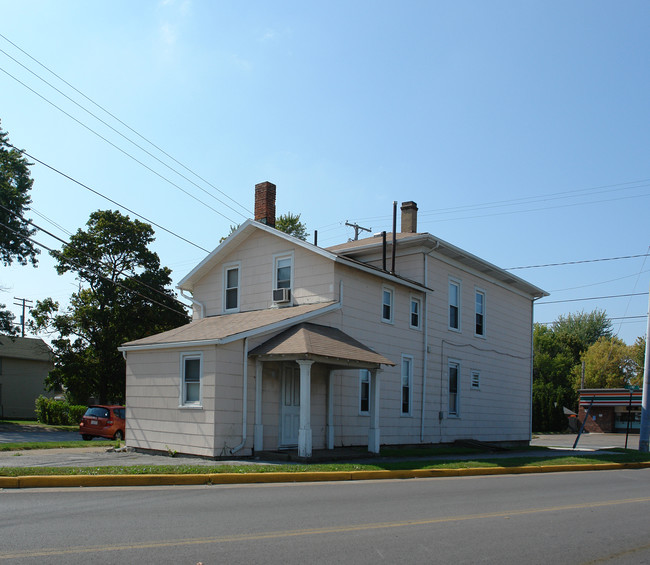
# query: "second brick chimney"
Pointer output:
{"type": "Point", "coordinates": [265, 203]}
{"type": "Point", "coordinates": [409, 217]}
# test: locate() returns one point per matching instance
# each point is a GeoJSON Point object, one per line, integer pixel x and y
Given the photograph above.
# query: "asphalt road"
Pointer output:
{"type": "Point", "coordinates": [575, 518]}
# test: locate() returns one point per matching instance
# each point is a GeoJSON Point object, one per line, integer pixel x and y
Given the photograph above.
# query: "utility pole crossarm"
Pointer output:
{"type": "Point", "coordinates": [22, 302]}
{"type": "Point", "coordinates": [357, 229]}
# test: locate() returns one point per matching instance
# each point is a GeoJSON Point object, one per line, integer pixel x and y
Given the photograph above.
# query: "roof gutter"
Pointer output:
{"type": "Point", "coordinates": [195, 302]}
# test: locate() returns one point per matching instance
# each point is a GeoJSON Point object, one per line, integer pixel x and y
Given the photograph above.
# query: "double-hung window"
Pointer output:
{"type": "Point", "coordinates": [231, 288]}
{"type": "Point", "coordinates": [191, 379]}
{"type": "Point", "coordinates": [283, 272]}
{"type": "Point", "coordinates": [364, 391]}
{"type": "Point", "coordinates": [416, 307]}
{"type": "Point", "coordinates": [480, 313]}
{"type": "Point", "coordinates": [454, 387]}
{"type": "Point", "coordinates": [407, 382]}
{"type": "Point", "coordinates": [454, 305]}
{"type": "Point", "coordinates": [387, 304]}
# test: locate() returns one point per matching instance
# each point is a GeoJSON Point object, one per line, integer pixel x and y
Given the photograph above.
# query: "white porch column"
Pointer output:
{"type": "Point", "coordinates": [373, 432]}
{"type": "Point", "coordinates": [304, 432]}
{"type": "Point", "coordinates": [258, 444]}
{"type": "Point", "coordinates": [330, 410]}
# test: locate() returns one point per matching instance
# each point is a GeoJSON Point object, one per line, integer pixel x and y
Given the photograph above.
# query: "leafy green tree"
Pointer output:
{"type": "Point", "coordinates": [15, 184]}
{"type": "Point", "coordinates": [558, 351]}
{"type": "Point", "coordinates": [7, 326]}
{"type": "Point", "coordinates": [291, 224]}
{"type": "Point", "coordinates": [15, 231]}
{"type": "Point", "coordinates": [123, 296]}
{"type": "Point", "coordinates": [608, 364]}
{"type": "Point", "coordinates": [637, 354]}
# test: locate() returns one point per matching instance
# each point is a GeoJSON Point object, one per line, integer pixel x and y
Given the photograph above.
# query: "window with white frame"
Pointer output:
{"type": "Point", "coordinates": [387, 304]}
{"type": "Point", "coordinates": [476, 380]}
{"type": "Point", "coordinates": [480, 313]}
{"type": "Point", "coordinates": [364, 391]}
{"type": "Point", "coordinates": [231, 288]}
{"type": "Point", "coordinates": [191, 379]}
{"type": "Point", "coordinates": [454, 305]}
{"type": "Point", "coordinates": [283, 267]}
{"type": "Point", "coordinates": [416, 307]}
{"type": "Point", "coordinates": [454, 388]}
{"type": "Point", "coordinates": [407, 381]}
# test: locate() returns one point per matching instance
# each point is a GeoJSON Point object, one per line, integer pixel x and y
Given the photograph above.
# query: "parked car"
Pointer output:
{"type": "Point", "coordinates": [103, 421]}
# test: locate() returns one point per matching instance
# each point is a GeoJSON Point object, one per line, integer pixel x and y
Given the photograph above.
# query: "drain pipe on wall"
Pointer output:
{"type": "Point", "coordinates": [244, 401]}
{"type": "Point", "coordinates": [195, 302]}
{"type": "Point", "coordinates": [425, 315]}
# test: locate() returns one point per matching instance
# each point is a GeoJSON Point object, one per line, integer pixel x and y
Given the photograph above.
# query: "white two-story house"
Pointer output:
{"type": "Point", "coordinates": [394, 339]}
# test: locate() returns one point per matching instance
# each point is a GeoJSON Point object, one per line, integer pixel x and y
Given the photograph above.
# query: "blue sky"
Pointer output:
{"type": "Point", "coordinates": [519, 128]}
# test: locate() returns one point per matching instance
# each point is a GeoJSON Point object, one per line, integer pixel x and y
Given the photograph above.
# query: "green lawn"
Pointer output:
{"type": "Point", "coordinates": [620, 456]}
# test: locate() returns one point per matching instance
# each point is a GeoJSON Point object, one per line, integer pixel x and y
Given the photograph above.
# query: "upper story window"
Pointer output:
{"type": "Point", "coordinates": [282, 278]}
{"type": "Point", "coordinates": [231, 288]}
{"type": "Point", "coordinates": [191, 379]}
{"type": "Point", "coordinates": [480, 313]}
{"type": "Point", "coordinates": [454, 305]}
{"type": "Point", "coordinates": [415, 314]}
{"type": "Point", "coordinates": [387, 304]}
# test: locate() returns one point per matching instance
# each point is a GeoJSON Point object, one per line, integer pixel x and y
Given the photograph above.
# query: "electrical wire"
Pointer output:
{"type": "Point", "coordinates": [120, 149]}
{"type": "Point", "coordinates": [107, 198]}
{"type": "Point", "coordinates": [120, 122]}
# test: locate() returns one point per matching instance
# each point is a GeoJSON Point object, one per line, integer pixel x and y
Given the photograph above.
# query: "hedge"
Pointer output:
{"type": "Point", "coordinates": [58, 412]}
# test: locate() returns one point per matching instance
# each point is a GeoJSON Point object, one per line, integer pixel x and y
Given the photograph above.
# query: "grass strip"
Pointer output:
{"type": "Point", "coordinates": [22, 446]}
{"type": "Point", "coordinates": [627, 457]}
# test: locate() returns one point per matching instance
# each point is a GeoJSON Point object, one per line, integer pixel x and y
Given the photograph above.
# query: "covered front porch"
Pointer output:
{"type": "Point", "coordinates": [304, 347]}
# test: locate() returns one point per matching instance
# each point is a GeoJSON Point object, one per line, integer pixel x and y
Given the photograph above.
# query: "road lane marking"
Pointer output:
{"type": "Point", "coordinates": [49, 552]}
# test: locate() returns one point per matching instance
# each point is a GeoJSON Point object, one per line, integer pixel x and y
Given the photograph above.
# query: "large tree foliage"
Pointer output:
{"type": "Point", "coordinates": [15, 184]}
{"type": "Point", "coordinates": [558, 351]}
{"type": "Point", "coordinates": [291, 224]}
{"type": "Point", "coordinates": [123, 296]}
{"type": "Point", "coordinates": [610, 363]}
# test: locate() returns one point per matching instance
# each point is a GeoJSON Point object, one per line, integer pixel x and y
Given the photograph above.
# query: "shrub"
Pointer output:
{"type": "Point", "coordinates": [58, 412]}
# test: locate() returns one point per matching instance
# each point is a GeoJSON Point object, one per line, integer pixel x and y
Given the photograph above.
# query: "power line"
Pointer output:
{"type": "Point", "coordinates": [578, 262]}
{"type": "Point", "coordinates": [120, 149]}
{"type": "Point", "coordinates": [106, 198]}
{"type": "Point", "coordinates": [115, 282]}
{"type": "Point", "coordinates": [592, 298]}
{"type": "Point", "coordinates": [122, 123]}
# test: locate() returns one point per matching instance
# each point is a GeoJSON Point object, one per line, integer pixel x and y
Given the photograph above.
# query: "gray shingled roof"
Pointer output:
{"type": "Point", "coordinates": [31, 348]}
{"type": "Point", "coordinates": [313, 341]}
{"type": "Point", "coordinates": [219, 329]}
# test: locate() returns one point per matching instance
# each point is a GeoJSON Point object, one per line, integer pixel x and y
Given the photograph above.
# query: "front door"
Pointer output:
{"type": "Point", "coordinates": [290, 406]}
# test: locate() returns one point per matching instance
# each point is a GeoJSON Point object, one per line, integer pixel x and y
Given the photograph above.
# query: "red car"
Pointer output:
{"type": "Point", "coordinates": [103, 421]}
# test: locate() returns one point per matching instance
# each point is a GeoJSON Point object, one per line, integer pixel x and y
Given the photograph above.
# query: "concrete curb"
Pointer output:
{"type": "Point", "coordinates": [53, 481]}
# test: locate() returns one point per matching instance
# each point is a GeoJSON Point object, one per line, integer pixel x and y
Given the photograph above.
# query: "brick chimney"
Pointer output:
{"type": "Point", "coordinates": [409, 217]}
{"type": "Point", "coordinates": [265, 203]}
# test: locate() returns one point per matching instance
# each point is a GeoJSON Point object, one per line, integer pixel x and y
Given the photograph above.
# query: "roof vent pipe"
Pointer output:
{"type": "Point", "coordinates": [383, 250]}
{"type": "Point", "coordinates": [392, 268]}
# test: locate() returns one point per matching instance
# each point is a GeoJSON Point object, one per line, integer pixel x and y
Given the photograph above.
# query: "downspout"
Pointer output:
{"type": "Point", "coordinates": [244, 401]}
{"type": "Point", "coordinates": [194, 302]}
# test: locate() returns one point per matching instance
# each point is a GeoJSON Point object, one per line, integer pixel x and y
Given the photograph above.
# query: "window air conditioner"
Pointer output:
{"type": "Point", "coordinates": [281, 294]}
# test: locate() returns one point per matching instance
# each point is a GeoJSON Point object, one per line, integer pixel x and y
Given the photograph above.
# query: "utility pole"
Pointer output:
{"type": "Point", "coordinates": [357, 229]}
{"type": "Point", "coordinates": [22, 302]}
{"type": "Point", "coordinates": [644, 432]}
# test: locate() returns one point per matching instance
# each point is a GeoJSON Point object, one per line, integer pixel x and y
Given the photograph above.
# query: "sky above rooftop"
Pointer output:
{"type": "Point", "coordinates": [520, 129]}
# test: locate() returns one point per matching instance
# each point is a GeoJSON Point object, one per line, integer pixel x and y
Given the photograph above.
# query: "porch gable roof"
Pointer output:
{"type": "Point", "coordinates": [320, 343]}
